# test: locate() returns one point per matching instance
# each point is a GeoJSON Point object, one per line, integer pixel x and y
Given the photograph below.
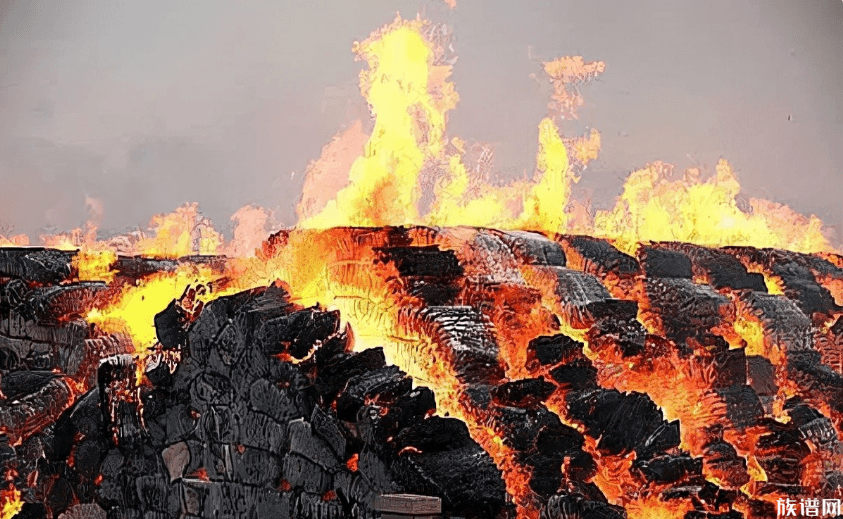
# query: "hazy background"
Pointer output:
{"type": "Point", "coordinates": [148, 104]}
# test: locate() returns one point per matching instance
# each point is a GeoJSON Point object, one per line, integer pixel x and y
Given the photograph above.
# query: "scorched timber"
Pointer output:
{"type": "Point", "coordinates": [258, 407]}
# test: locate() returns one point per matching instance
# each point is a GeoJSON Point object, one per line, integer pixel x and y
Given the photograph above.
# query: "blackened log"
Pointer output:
{"type": "Point", "coordinates": [721, 460]}
{"type": "Point", "coordinates": [427, 261]}
{"type": "Point", "coordinates": [381, 385]}
{"type": "Point", "coordinates": [262, 432]}
{"type": "Point", "coordinates": [599, 257]}
{"type": "Point", "coordinates": [171, 326]}
{"type": "Point", "coordinates": [432, 291]}
{"type": "Point", "coordinates": [252, 466]}
{"type": "Point", "coordinates": [311, 446]}
{"type": "Point", "coordinates": [333, 376]}
{"type": "Point", "coordinates": [626, 334]}
{"type": "Point", "coordinates": [377, 472]}
{"type": "Point", "coordinates": [573, 506]}
{"type": "Point", "coordinates": [784, 323]}
{"type": "Point", "coordinates": [463, 335]}
{"type": "Point", "coordinates": [578, 374]}
{"type": "Point", "coordinates": [523, 393]}
{"type": "Point", "coordinates": [621, 421]}
{"type": "Point", "coordinates": [816, 380]}
{"type": "Point", "coordinates": [20, 383]}
{"type": "Point", "coordinates": [248, 310]}
{"type": "Point", "coordinates": [721, 269]}
{"type": "Point", "coordinates": [45, 266]}
{"type": "Point", "coordinates": [297, 334]}
{"type": "Point", "coordinates": [31, 413]}
{"type": "Point", "coordinates": [663, 263]}
{"type": "Point", "coordinates": [812, 425]}
{"type": "Point", "coordinates": [667, 468]}
{"type": "Point", "coordinates": [465, 478]}
{"type": "Point", "coordinates": [408, 409]}
{"type": "Point", "coordinates": [548, 350]}
{"type": "Point", "coordinates": [723, 369]}
{"type": "Point", "coordinates": [273, 401]}
{"type": "Point", "coordinates": [684, 308]}
{"type": "Point", "coordinates": [54, 304]}
{"type": "Point", "coordinates": [665, 437]}
{"type": "Point", "coordinates": [581, 296]}
{"type": "Point", "coordinates": [743, 408]}
{"type": "Point", "coordinates": [520, 428]}
{"type": "Point", "coordinates": [761, 375]}
{"type": "Point", "coordinates": [619, 309]}
{"type": "Point", "coordinates": [532, 248]}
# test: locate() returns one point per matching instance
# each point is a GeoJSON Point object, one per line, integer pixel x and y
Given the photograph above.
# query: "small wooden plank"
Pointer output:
{"type": "Point", "coordinates": [408, 504]}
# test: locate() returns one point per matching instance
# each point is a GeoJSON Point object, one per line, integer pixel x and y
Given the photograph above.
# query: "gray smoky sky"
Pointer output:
{"type": "Point", "coordinates": [148, 104]}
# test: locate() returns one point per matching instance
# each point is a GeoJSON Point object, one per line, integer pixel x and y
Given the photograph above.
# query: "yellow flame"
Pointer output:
{"type": "Point", "coordinates": [95, 265]}
{"type": "Point", "coordinates": [654, 208]}
{"type": "Point", "coordinates": [409, 96]}
{"type": "Point", "coordinates": [133, 311]}
{"type": "Point", "coordinates": [544, 208]}
{"type": "Point", "coordinates": [180, 233]}
{"type": "Point", "coordinates": [11, 503]}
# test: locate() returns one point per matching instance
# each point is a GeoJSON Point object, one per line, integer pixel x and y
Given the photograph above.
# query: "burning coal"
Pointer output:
{"type": "Point", "coordinates": [498, 352]}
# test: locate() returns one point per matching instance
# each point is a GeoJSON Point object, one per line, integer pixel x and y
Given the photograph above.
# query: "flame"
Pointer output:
{"type": "Point", "coordinates": [17, 240]}
{"type": "Point", "coordinates": [10, 500]}
{"type": "Point", "coordinates": [377, 179]}
{"type": "Point", "coordinates": [705, 212]}
{"type": "Point", "coordinates": [132, 310]}
{"type": "Point", "coordinates": [566, 74]}
{"type": "Point", "coordinates": [95, 265]}
{"type": "Point", "coordinates": [409, 97]}
{"type": "Point", "coordinates": [180, 233]}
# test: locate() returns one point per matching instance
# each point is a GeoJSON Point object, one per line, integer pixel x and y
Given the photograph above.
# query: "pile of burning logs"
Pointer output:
{"type": "Point", "coordinates": [555, 378]}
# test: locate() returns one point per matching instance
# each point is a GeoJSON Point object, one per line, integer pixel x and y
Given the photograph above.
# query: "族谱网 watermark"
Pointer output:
{"type": "Point", "coordinates": [808, 507]}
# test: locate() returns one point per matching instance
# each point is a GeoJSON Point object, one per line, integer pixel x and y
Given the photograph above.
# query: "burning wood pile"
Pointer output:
{"type": "Point", "coordinates": [465, 373]}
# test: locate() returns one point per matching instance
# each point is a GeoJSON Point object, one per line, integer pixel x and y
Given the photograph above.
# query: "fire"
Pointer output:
{"type": "Point", "coordinates": [653, 207]}
{"type": "Point", "coordinates": [181, 233]}
{"type": "Point", "coordinates": [10, 500]}
{"type": "Point", "coordinates": [409, 98]}
{"type": "Point", "coordinates": [132, 311]}
{"type": "Point", "coordinates": [95, 265]}
{"type": "Point", "coordinates": [328, 262]}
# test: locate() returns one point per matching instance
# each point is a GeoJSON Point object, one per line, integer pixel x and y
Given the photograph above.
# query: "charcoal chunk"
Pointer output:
{"type": "Point", "coordinates": [599, 257]}
{"type": "Point", "coordinates": [36, 264]}
{"type": "Point", "coordinates": [171, 326]}
{"type": "Point", "coordinates": [297, 333]}
{"type": "Point", "coordinates": [334, 376]}
{"type": "Point", "coordinates": [422, 261]}
{"type": "Point", "coordinates": [668, 468]}
{"type": "Point", "coordinates": [20, 383]}
{"type": "Point", "coordinates": [621, 420]}
{"type": "Point", "coordinates": [385, 384]}
{"type": "Point", "coordinates": [665, 437]}
{"type": "Point", "coordinates": [569, 506]}
{"type": "Point", "coordinates": [578, 374]}
{"type": "Point", "coordinates": [523, 393]}
{"type": "Point", "coordinates": [553, 349]}
{"type": "Point", "coordinates": [662, 263]}
{"type": "Point", "coordinates": [532, 248]}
